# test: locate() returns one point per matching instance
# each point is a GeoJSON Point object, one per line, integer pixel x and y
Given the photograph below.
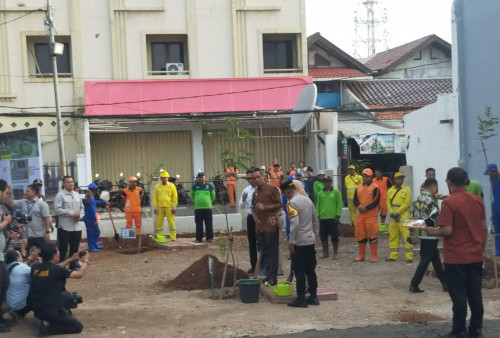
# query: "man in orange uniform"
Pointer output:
{"type": "Point", "coordinates": [276, 175]}
{"type": "Point", "coordinates": [230, 173]}
{"type": "Point", "coordinates": [366, 201]}
{"type": "Point", "coordinates": [132, 201]}
{"type": "Point", "coordinates": [383, 184]}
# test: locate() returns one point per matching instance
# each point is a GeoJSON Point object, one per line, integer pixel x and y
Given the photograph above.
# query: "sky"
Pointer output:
{"type": "Point", "coordinates": [407, 20]}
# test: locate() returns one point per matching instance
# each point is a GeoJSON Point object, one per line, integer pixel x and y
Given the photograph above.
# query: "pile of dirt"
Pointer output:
{"type": "Point", "coordinates": [197, 276]}
{"type": "Point", "coordinates": [112, 244]}
{"type": "Point", "coordinates": [346, 230]}
{"type": "Point", "coordinates": [417, 317]}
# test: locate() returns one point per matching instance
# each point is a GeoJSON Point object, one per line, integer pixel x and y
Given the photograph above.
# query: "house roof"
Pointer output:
{"type": "Point", "coordinates": [317, 40]}
{"type": "Point", "coordinates": [333, 72]}
{"type": "Point", "coordinates": [384, 62]}
{"type": "Point", "coordinates": [160, 97]}
{"type": "Point", "coordinates": [399, 93]}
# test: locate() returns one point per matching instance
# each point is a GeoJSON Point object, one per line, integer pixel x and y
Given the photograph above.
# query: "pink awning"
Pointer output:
{"type": "Point", "coordinates": [192, 96]}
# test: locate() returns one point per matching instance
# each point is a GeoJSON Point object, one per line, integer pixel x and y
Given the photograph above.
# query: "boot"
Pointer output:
{"type": "Point", "coordinates": [91, 245]}
{"type": "Point", "coordinates": [300, 301]}
{"type": "Point", "coordinates": [313, 299]}
{"type": "Point", "coordinates": [373, 248]}
{"type": "Point", "coordinates": [335, 249]}
{"type": "Point", "coordinates": [362, 250]}
{"type": "Point", "coordinates": [324, 244]}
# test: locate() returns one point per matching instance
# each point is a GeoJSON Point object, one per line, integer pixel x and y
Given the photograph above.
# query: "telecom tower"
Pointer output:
{"type": "Point", "coordinates": [371, 28]}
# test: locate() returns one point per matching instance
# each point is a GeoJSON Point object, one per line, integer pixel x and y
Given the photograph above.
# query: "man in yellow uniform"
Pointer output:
{"type": "Point", "coordinates": [398, 208]}
{"type": "Point", "coordinates": [164, 203]}
{"type": "Point", "coordinates": [352, 180]}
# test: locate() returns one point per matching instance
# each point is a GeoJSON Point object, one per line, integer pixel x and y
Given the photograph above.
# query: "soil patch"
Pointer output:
{"type": "Point", "coordinates": [417, 317]}
{"type": "Point", "coordinates": [122, 244]}
{"type": "Point", "coordinates": [197, 276]}
{"type": "Point", "coordinates": [346, 230]}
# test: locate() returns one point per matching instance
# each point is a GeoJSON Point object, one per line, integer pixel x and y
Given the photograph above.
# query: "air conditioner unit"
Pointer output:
{"type": "Point", "coordinates": [174, 67]}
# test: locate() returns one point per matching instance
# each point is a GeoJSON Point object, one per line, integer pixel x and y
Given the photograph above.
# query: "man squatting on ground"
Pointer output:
{"type": "Point", "coordinates": [304, 229]}
{"type": "Point", "coordinates": [202, 195]}
{"type": "Point", "coordinates": [366, 200]}
{"type": "Point", "coordinates": [266, 210]}
{"type": "Point", "coordinates": [68, 207]}
{"type": "Point", "coordinates": [48, 297]}
{"type": "Point", "coordinates": [246, 203]}
{"type": "Point", "coordinates": [329, 208]}
{"type": "Point", "coordinates": [165, 203]}
{"type": "Point", "coordinates": [426, 208]}
{"type": "Point", "coordinates": [132, 203]}
{"type": "Point", "coordinates": [462, 224]}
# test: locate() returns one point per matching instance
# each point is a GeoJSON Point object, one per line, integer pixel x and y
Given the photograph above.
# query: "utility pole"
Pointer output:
{"type": "Point", "coordinates": [53, 54]}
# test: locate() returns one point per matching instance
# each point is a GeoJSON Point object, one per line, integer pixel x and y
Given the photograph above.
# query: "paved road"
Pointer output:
{"type": "Point", "coordinates": [411, 330]}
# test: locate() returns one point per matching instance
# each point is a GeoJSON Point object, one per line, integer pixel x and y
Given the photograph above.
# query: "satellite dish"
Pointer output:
{"type": "Point", "coordinates": [305, 101]}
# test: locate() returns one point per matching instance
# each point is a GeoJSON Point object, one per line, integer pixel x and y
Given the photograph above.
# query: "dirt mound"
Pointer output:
{"type": "Point", "coordinates": [345, 230]}
{"type": "Point", "coordinates": [417, 317]}
{"type": "Point", "coordinates": [112, 244]}
{"type": "Point", "coordinates": [197, 277]}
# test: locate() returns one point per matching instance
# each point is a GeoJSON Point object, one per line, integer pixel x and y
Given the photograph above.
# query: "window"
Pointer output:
{"type": "Point", "coordinates": [167, 54]}
{"type": "Point", "coordinates": [280, 53]}
{"type": "Point", "coordinates": [40, 59]}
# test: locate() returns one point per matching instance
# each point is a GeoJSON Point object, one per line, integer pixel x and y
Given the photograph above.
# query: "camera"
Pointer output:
{"type": "Point", "coordinates": [82, 253]}
{"type": "Point", "coordinates": [75, 299]}
{"type": "Point", "coordinates": [23, 219]}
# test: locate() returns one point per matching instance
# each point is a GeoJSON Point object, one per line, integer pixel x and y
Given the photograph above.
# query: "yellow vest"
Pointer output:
{"type": "Point", "coordinates": [165, 195]}
{"type": "Point", "coordinates": [400, 203]}
{"type": "Point", "coordinates": [351, 182]}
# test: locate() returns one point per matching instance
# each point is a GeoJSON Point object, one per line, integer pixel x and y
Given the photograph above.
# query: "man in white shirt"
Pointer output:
{"type": "Point", "coordinates": [68, 207]}
{"type": "Point", "coordinates": [246, 203]}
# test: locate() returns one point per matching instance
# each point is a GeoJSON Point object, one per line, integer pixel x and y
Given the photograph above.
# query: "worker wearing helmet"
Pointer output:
{"type": "Point", "coordinates": [164, 203]}
{"type": "Point", "coordinates": [132, 200]}
{"type": "Point", "coordinates": [398, 208]}
{"type": "Point", "coordinates": [366, 200]}
{"type": "Point", "coordinates": [90, 217]}
{"type": "Point", "coordinates": [352, 180]}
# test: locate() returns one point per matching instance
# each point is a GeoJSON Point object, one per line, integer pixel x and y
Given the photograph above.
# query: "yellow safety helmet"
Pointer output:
{"type": "Point", "coordinates": [164, 173]}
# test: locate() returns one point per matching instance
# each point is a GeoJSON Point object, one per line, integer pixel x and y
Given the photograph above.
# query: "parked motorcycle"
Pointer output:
{"type": "Point", "coordinates": [182, 194]}
{"type": "Point", "coordinates": [145, 195]}
{"type": "Point", "coordinates": [221, 196]}
{"type": "Point", "coordinates": [106, 192]}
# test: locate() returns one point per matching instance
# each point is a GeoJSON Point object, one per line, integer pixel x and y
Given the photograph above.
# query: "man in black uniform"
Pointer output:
{"type": "Point", "coordinates": [48, 297]}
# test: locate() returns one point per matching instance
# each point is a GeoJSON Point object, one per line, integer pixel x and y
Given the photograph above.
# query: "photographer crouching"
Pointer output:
{"type": "Point", "coordinates": [48, 297]}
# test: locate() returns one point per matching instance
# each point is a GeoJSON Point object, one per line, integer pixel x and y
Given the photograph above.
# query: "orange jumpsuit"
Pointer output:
{"type": "Point", "coordinates": [231, 183]}
{"type": "Point", "coordinates": [275, 177]}
{"type": "Point", "coordinates": [366, 223]}
{"type": "Point", "coordinates": [133, 207]}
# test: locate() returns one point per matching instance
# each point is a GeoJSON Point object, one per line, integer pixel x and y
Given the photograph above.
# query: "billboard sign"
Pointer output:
{"type": "Point", "coordinates": [20, 159]}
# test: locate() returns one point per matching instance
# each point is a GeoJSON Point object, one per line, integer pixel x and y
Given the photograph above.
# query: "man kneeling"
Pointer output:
{"type": "Point", "coordinates": [48, 297]}
{"type": "Point", "coordinates": [304, 228]}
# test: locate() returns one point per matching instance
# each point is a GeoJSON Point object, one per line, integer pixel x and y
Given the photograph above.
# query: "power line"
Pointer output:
{"type": "Point", "coordinates": [22, 16]}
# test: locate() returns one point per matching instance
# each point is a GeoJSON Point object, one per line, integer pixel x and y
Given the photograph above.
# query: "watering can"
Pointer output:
{"type": "Point", "coordinates": [159, 238]}
{"type": "Point", "coordinates": [282, 289]}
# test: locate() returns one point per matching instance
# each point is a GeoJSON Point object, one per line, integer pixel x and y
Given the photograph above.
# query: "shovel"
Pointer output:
{"type": "Point", "coordinates": [116, 237]}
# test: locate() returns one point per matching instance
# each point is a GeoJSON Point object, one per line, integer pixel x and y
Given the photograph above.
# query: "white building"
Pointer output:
{"type": "Point", "coordinates": [143, 41]}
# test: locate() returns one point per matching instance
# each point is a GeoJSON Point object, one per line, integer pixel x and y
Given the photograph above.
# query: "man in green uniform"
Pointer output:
{"type": "Point", "coordinates": [202, 195]}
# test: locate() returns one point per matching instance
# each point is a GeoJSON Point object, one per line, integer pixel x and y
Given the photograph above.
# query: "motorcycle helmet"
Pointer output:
{"type": "Point", "coordinates": [92, 186]}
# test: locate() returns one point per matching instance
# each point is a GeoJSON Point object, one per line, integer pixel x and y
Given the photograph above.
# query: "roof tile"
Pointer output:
{"type": "Point", "coordinates": [333, 72]}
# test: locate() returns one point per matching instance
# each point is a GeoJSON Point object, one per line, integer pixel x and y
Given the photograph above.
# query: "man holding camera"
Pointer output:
{"type": "Point", "coordinates": [48, 297]}
{"type": "Point", "coordinates": [34, 214]}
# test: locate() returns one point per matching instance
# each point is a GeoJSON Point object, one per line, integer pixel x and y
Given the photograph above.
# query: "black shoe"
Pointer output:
{"type": "Point", "coordinates": [272, 281]}
{"type": "Point", "coordinates": [313, 300]}
{"type": "Point", "coordinates": [209, 240]}
{"type": "Point", "coordinates": [41, 329]}
{"type": "Point", "coordinates": [476, 333]}
{"type": "Point", "coordinates": [4, 328]}
{"type": "Point", "coordinates": [298, 302]}
{"type": "Point", "coordinates": [251, 270]}
{"type": "Point", "coordinates": [415, 289]}
{"type": "Point", "coordinates": [5, 322]}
